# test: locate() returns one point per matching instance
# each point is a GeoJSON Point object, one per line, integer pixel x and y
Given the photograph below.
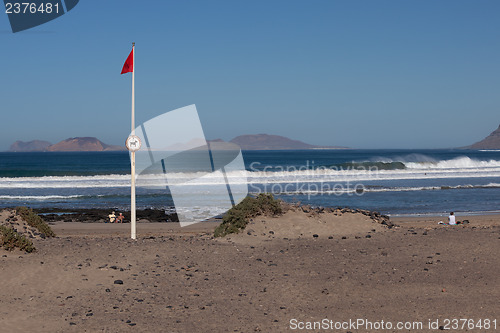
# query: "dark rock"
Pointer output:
{"type": "Point", "coordinates": [118, 282]}
{"type": "Point", "coordinates": [93, 215]}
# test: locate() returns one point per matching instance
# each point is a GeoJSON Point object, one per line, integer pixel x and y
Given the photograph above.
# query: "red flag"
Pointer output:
{"type": "Point", "coordinates": [128, 66]}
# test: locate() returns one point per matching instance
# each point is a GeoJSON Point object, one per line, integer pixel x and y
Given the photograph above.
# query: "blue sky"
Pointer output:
{"type": "Point", "coordinates": [363, 74]}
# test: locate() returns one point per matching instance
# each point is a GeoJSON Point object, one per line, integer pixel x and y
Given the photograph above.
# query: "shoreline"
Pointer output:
{"type": "Point", "coordinates": [431, 222]}
{"type": "Point", "coordinates": [444, 215]}
{"type": "Point", "coordinates": [206, 228]}
{"type": "Point", "coordinates": [99, 215]}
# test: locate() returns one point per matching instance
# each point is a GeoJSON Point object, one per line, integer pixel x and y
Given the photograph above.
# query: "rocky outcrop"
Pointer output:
{"type": "Point", "coordinates": [35, 145]}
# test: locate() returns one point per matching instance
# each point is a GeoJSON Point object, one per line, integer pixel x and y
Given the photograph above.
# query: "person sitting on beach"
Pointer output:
{"type": "Point", "coordinates": [451, 219]}
{"type": "Point", "coordinates": [112, 217]}
{"type": "Point", "coordinates": [119, 218]}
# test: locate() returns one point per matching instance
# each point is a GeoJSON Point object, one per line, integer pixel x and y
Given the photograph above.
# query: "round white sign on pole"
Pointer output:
{"type": "Point", "coordinates": [133, 143]}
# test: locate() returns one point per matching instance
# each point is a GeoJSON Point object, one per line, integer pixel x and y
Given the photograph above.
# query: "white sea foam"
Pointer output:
{"type": "Point", "coordinates": [342, 190]}
{"type": "Point", "coordinates": [425, 168]}
{"type": "Point", "coordinates": [38, 197]}
{"type": "Point", "coordinates": [463, 162]}
{"type": "Point", "coordinates": [66, 181]}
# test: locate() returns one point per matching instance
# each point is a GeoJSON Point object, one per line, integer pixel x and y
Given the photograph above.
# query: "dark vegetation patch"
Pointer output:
{"type": "Point", "coordinates": [238, 217]}
{"type": "Point", "coordinates": [10, 239]}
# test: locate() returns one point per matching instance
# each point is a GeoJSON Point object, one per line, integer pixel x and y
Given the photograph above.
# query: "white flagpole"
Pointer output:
{"type": "Point", "coordinates": [132, 190]}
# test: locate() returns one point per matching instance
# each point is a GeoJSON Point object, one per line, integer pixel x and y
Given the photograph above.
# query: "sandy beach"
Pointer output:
{"type": "Point", "coordinates": [315, 149]}
{"type": "Point", "coordinates": [93, 278]}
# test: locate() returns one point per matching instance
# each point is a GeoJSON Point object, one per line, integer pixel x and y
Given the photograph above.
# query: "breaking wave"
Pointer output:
{"type": "Point", "coordinates": [360, 190]}
{"type": "Point", "coordinates": [406, 168]}
{"type": "Point", "coordinates": [419, 162]}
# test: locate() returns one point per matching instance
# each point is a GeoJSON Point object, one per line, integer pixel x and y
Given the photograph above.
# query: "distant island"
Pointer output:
{"type": "Point", "coordinates": [245, 142]}
{"type": "Point", "coordinates": [274, 142]}
{"type": "Point", "coordinates": [71, 144]}
{"type": "Point", "coordinates": [35, 145]}
{"type": "Point", "coordinates": [492, 141]}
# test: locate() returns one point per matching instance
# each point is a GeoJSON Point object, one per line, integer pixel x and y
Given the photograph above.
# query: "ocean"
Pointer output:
{"type": "Point", "coordinates": [394, 182]}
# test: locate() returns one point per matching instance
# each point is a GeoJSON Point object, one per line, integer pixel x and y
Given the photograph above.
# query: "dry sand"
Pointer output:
{"type": "Point", "coordinates": [182, 280]}
{"type": "Point", "coordinates": [297, 224]}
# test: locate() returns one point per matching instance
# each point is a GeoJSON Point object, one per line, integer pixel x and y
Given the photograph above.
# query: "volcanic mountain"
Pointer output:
{"type": "Point", "coordinates": [492, 141]}
{"type": "Point", "coordinates": [83, 144]}
{"type": "Point", "coordinates": [273, 142]}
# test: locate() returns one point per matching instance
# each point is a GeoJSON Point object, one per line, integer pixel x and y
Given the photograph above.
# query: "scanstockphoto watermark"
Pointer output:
{"type": "Point", "coordinates": [453, 324]}
{"type": "Point", "coordinates": [356, 324]}
{"type": "Point", "coordinates": [312, 180]}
